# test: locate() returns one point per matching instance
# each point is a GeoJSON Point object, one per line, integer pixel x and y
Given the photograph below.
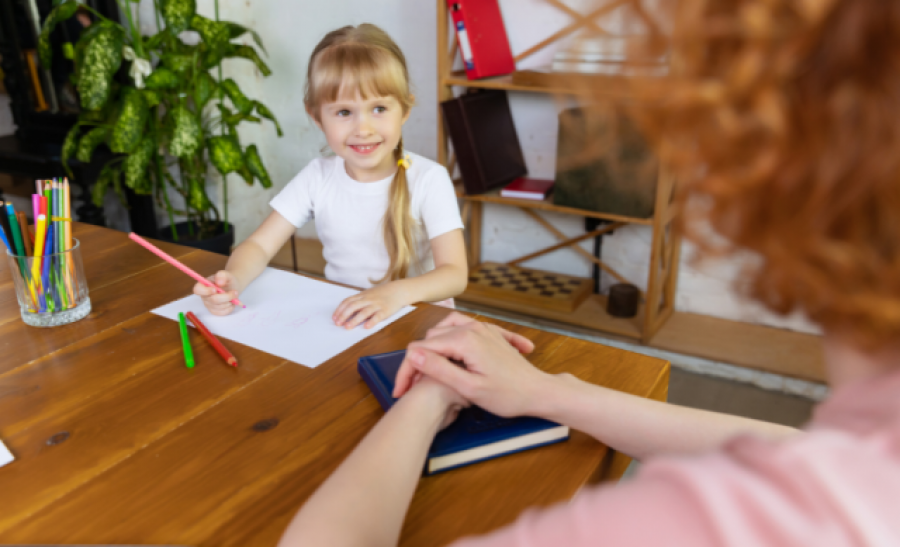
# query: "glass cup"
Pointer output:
{"type": "Point", "coordinates": [51, 289]}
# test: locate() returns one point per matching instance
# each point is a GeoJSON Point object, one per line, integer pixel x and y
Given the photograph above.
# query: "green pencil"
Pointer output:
{"type": "Point", "coordinates": [185, 341]}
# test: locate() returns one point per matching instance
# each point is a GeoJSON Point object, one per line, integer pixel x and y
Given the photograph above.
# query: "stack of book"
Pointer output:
{"type": "Point", "coordinates": [528, 188]}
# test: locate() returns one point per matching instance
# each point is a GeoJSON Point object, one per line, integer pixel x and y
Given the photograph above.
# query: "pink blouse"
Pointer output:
{"type": "Point", "coordinates": [836, 484]}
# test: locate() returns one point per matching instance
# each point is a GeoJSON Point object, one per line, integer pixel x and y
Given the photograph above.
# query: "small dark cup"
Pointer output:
{"type": "Point", "coordinates": [623, 300]}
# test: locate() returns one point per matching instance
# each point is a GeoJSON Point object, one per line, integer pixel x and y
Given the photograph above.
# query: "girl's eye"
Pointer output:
{"type": "Point", "coordinates": [380, 109]}
{"type": "Point", "coordinates": [343, 113]}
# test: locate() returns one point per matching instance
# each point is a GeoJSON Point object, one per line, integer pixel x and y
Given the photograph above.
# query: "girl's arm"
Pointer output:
{"type": "Point", "coordinates": [497, 378]}
{"type": "Point", "coordinates": [246, 262]}
{"type": "Point", "coordinates": [449, 276]}
{"type": "Point", "coordinates": [447, 279]}
{"type": "Point", "coordinates": [365, 500]}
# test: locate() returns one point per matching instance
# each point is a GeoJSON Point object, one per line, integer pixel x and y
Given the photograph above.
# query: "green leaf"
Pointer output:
{"type": "Point", "coordinates": [215, 37]}
{"type": "Point", "coordinates": [129, 127]}
{"type": "Point", "coordinates": [89, 142]}
{"type": "Point", "coordinates": [153, 42]}
{"type": "Point", "coordinates": [236, 31]}
{"type": "Point", "coordinates": [225, 153]}
{"type": "Point", "coordinates": [136, 166]}
{"type": "Point", "coordinates": [197, 198]}
{"type": "Point", "coordinates": [238, 99]}
{"type": "Point", "coordinates": [232, 119]}
{"type": "Point", "coordinates": [246, 174]}
{"type": "Point", "coordinates": [264, 111]}
{"type": "Point", "coordinates": [83, 40]}
{"type": "Point", "coordinates": [68, 51]}
{"type": "Point", "coordinates": [152, 98]}
{"type": "Point", "coordinates": [58, 14]}
{"type": "Point", "coordinates": [204, 89]}
{"type": "Point", "coordinates": [107, 174]}
{"type": "Point", "coordinates": [70, 145]}
{"type": "Point", "coordinates": [102, 57]}
{"type": "Point", "coordinates": [178, 13]}
{"type": "Point", "coordinates": [187, 134]}
{"type": "Point", "coordinates": [161, 78]}
{"type": "Point", "coordinates": [178, 62]}
{"type": "Point", "coordinates": [255, 165]}
{"type": "Point", "coordinates": [247, 52]}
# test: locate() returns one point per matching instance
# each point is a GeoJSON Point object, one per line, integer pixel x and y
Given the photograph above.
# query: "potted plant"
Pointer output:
{"type": "Point", "coordinates": [170, 116]}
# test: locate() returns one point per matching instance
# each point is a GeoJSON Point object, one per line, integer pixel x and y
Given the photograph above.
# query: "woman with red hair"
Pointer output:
{"type": "Point", "coordinates": [782, 120]}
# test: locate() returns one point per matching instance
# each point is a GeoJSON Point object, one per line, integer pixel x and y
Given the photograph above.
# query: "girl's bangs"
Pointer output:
{"type": "Point", "coordinates": [341, 72]}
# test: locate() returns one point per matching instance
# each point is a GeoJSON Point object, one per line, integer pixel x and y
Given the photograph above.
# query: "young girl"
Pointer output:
{"type": "Point", "coordinates": [388, 219]}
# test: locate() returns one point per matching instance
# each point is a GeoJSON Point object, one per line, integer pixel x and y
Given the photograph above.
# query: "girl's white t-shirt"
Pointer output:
{"type": "Point", "coordinates": [349, 215]}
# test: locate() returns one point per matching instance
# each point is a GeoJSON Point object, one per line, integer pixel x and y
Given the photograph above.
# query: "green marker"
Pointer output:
{"type": "Point", "coordinates": [186, 342]}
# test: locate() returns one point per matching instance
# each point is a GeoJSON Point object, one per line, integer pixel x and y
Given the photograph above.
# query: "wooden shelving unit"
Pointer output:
{"type": "Point", "coordinates": [658, 301]}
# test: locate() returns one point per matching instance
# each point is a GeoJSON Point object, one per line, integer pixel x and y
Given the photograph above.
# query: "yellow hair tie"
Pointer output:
{"type": "Point", "coordinates": [404, 161]}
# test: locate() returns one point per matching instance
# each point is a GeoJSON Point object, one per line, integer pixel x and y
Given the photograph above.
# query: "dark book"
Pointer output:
{"type": "Point", "coordinates": [526, 188]}
{"type": "Point", "coordinates": [475, 436]}
{"type": "Point", "coordinates": [484, 138]}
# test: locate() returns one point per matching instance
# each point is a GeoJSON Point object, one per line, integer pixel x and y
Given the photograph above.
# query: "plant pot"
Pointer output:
{"type": "Point", "coordinates": [220, 243]}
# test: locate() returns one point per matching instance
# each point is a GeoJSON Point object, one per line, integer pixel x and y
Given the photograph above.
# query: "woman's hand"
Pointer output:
{"type": "Point", "coordinates": [444, 396]}
{"type": "Point", "coordinates": [370, 306]}
{"type": "Point", "coordinates": [219, 303]}
{"type": "Point", "coordinates": [407, 376]}
{"type": "Point", "coordinates": [485, 369]}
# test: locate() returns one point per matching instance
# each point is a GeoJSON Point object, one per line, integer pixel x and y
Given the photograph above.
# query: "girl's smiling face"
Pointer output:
{"type": "Point", "coordinates": [364, 132]}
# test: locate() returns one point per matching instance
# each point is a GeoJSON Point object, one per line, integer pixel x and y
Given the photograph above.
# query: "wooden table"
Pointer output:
{"type": "Point", "coordinates": [117, 442]}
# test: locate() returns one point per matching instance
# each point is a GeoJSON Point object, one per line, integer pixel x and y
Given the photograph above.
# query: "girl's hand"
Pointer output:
{"type": "Point", "coordinates": [372, 306]}
{"type": "Point", "coordinates": [486, 369]}
{"type": "Point", "coordinates": [218, 303]}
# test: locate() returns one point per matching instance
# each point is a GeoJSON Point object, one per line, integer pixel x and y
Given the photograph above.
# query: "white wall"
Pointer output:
{"type": "Point", "coordinates": [290, 30]}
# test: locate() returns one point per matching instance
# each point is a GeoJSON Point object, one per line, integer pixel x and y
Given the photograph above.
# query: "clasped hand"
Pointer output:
{"type": "Point", "coordinates": [487, 368]}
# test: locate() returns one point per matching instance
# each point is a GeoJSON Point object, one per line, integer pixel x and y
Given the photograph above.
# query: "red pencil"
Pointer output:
{"type": "Point", "coordinates": [220, 349]}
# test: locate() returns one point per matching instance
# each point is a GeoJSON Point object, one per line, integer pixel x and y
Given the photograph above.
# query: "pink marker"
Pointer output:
{"type": "Point", "coordinates": [158, 252]}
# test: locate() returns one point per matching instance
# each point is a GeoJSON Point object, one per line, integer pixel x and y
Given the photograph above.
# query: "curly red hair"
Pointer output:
{"type": "Point", "coordinates": [782, 121]}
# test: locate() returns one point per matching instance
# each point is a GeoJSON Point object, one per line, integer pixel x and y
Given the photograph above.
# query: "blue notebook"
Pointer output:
{"type": "Point", "coordinates": [475, 436]}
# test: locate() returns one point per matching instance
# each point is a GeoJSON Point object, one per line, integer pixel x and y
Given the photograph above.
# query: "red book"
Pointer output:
{"type": "Point", "coordinates": [482, 38]}
{"type": "Point", "coordinates": [526, 188]}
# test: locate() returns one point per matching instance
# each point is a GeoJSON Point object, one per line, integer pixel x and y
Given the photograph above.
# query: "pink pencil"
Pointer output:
{"type": "Point", "coordinates": [153, 249]}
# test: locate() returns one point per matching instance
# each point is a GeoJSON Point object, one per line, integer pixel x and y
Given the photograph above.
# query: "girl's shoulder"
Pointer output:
{"type": "Point", "coordinates": [317, 172]}
{"type": "Point", "coordinates": [423, 169]}
{"type": "Point", "coordinates": [320, 168]}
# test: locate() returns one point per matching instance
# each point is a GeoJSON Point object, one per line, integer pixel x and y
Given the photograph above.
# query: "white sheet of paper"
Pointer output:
{"type": "Point", "coordinates": [5, 455]}
{"type": "Point", "coordinates": [287, 315]}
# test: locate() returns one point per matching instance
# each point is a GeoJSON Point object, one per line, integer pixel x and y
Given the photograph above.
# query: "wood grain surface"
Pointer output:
{"type": "Point", "coordinates": [117, 442]}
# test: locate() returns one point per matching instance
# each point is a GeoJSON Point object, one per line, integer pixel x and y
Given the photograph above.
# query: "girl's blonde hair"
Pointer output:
{"type": "Point", "coordinates": [365, 59]}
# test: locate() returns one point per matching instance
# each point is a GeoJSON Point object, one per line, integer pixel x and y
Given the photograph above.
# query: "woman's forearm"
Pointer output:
{"type": "Point", "coordinates": [373, 487]}
{"type": "Point", "coordinates": [643, 427]}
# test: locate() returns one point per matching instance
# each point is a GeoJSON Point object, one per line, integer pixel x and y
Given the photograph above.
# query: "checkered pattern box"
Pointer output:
{"type": "Point", "coordinates": [537, 288]}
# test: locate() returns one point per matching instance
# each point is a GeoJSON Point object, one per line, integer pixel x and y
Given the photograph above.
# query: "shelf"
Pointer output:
{"type": "Point", "coordinates": [545, 205]}
{"type": "Point", "coordinates": [590, 314]}
{"type": "Point", "coordinates": [545, 81]}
